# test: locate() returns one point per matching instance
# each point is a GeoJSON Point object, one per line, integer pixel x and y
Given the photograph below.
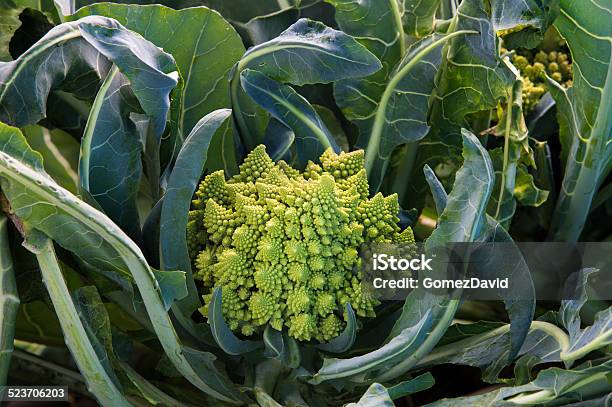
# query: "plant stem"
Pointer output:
{"type": "Point", "coordinates": [459, 346]}
{"type": "Point", "coordinates": [502, 184]}
{"type": "Point", "coordinates": [432, 339]}
{"type": "Point", "coordinates": [448, 9]}
{"type": "Point", "coordinates": [399, 26]}
{"type": "Point", "coordinates": [601, 341]}
{"type": "Point", "coordinates": [98, 380]}
{"type": "Point", "coordinates": [404, 171]}
{"type": "Point", "coordinates": [9, 302]}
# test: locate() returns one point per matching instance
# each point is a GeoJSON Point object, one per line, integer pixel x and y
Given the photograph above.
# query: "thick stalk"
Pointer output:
{"type": "Point", "coordinates": [235, 88]}
{"type": "Point", "coordinates": [9, 302]}
{"type": "Point", "coordinates": [443, 352]}
{"type": "Point", "coordinates": [397, 16]}
{"type": "Point", "coordinates": [598, 382]}
{"type": "Point", "coordinates": [502, 184]}
{"type": "Point", "coordinates": [98, 380]}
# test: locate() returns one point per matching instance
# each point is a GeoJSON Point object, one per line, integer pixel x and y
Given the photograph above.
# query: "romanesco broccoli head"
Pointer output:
{"type": "Point", "coordinates": [283, 244]}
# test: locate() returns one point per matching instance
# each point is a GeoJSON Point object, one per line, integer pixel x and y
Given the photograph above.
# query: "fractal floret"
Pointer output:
{"type": "Point", "coordinates": [283, 244]}
{"type": "Point", "coordinates": [534, 65]}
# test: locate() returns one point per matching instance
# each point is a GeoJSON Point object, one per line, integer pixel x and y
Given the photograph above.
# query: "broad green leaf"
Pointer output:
{"type": "Point", "coordinates": [472, 78]}
{"type": "Point", "coordinates": [221, 332]}
{"type": "Point", "coordinates": [554, 385]}
{"type": "Point", "coordinates": [376, 396]}
{"type": "Point", "coordinates": [312, 137]}
{"type": "Point", "coordinates": [401, 115]}
{"type": "Point", "coordinates": [9, 302]}
{"type": "Point", "coordinates": [110, 166]}
{"type": "Point", "coordinates": [587, 107]}
{"type": "Point", "coordinates": [100, 383]}
{"type": "Point", "coordinates": [76, 56]}
{"type": "Point", "coordinates": [60, 153]}
{"type": "Point", "coordinates": [519, 299]}
{"type": "Point", "coordinates": [523, 23]}
{"type": "Point", "coordinates": [437, 189]}
{"type": "Point", "coordinates": [593, 337]}
{"type": "Point", "coordinates": [183, 181]}
{"type": "Point", "coordinates": [526, 192]}
{"type": "Point", "coordinates": [79, 53]}
{"type": "Point", "coordinates": [418, 16]}
{"type": "Point", "coordinates": [91, 235]}
{"type": "Point", "coordinates": [308, 52]}
{"type": "Point", "coordinates": [464, 217]}
{"type": "Point", "coordinates": [203, 44]}
{"type": "Point", "coordinates": [520, 312]}
{"type": "Point", "coordinates": [382, 28]}
{"type": "Point", "coordinates": [346, 339]}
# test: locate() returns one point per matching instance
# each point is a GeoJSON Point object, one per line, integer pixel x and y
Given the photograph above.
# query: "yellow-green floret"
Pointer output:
{"type": "Point", "coordinates": [283, 244]}
{"type": "Point", "coordinates": [534, 65]}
